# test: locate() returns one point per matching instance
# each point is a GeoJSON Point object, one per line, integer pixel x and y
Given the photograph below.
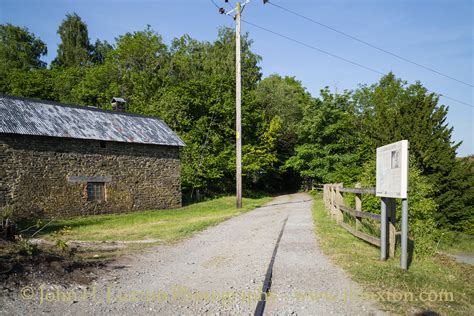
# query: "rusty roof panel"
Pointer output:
{"type": "Point", "coordinates": [45, 118]}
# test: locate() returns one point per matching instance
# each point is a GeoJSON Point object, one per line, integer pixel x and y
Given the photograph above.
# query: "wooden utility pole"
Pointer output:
{"type": "Point", "coordinates": [238, 86]}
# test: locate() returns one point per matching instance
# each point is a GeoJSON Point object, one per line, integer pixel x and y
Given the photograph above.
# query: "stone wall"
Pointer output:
{"type": "Point", "coordinates": [42, 177]}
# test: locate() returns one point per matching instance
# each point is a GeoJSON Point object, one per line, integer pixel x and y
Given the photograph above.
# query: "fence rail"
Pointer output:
{"type": "Point", "coordinates": [334, 203]}
{"type": "Point", "coordinates": [362, 214]}
{"type": "Point", "coordinates": [358, 190]}
{"type": "Point", "coordinates": [368, 238]}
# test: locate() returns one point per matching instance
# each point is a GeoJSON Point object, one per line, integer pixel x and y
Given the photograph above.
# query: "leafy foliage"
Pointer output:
{"type": "Point", "coordinates": [393, 110]}
{"type": "Point", "coordinates": [328, 143]}
{"type": "Point", "coordinates": [26, 248]}
{"type": "Point", "coordinates": [75, 48]}
{"type": "Point", "coordinates": [20, 49]}
{"type": "Point", "coordinates": [422, 208]}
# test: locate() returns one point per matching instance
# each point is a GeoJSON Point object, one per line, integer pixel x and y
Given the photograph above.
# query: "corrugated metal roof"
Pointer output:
{"type": "Point", "coordinates": [45, 118]}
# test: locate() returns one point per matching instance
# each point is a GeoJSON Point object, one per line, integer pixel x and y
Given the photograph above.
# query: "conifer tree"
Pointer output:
{"type": "Point", "coordinates": [391, 111]}
{"type": "Point", "coordinates": [75, 48]}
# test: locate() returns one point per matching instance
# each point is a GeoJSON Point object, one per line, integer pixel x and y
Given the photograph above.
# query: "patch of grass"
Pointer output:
{"type": "Point", "coordinates": [436, 275]}
{"type": "Point", "coordinates": [456, 243]}
{"type": "Point", "coordinates": [163, 225]}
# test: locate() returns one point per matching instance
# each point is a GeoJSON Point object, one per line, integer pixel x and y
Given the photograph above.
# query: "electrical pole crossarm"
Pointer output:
{"type": "Point", "coordinates": [241, 7]}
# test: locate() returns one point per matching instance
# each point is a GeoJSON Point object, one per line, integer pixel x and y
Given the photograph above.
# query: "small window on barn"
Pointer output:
{"type": "Point", "coordinates": [103, 144]}
{"type": "Point", "coordinates": [96, 191]}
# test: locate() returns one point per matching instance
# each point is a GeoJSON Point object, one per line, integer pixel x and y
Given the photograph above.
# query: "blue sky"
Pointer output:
{"type": "Point", "coordinates": [436, 33]}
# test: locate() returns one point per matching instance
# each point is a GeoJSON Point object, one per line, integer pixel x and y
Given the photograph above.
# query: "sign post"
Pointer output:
{"type": "Point", "coordinates": [403, 255]}
{"type": "Point", "coordinates": [392, 183]}
{"type": "Point", "coordinates": [383, 229]}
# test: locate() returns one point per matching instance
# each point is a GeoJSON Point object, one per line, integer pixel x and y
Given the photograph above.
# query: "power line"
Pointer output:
{"type": "Point", "coordinates": [215, 4]}
{"type": "Point", "coordinates": [336, 56]}
{"type": "Point", "coordinates": [455, 100]}
{"type": "Point", "coordinates": [314, 48]}
{"type": "Point", "coordinates": [369, 44]}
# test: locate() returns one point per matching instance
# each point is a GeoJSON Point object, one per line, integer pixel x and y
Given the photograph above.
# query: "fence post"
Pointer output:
{"type": "Point", "coordinates": [358, 207]}
{"type": "Point", "coordinates": [333, 195]}
{"type": "Point", "coordinates": [328, 209]}
{"type": "Point", "coordinates": [324, 195]}
{"type": "Point", "coordinates": [340, 201]}
{"type": "Point", "coordinates": [328, 197]}
{"type": "Point", "coordinates": [383, 228]}
{"type": "Point", "coordinates": [391, 228]}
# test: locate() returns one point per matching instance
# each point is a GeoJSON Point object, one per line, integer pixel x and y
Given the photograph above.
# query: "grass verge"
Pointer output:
{"type": "Point", "coordinates": [162, 225]}
{"type": "Point", "coordinates": [456, 243]}
{"type": "Point", "coordinates": [427, 286]}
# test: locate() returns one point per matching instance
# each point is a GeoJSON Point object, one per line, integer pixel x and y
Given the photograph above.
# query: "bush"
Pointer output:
{"type": "Point", "coordinates": [26, 248]}
{"type": "Point", "coordinates": [421, 207]}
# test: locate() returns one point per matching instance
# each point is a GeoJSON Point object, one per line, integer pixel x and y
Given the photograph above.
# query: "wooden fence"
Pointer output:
{"type": "Point", "coordinates": [334, 203]}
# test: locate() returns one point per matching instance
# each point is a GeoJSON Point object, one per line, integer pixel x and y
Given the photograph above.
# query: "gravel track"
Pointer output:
{"type": "Point", "coordinates": [218, 271]}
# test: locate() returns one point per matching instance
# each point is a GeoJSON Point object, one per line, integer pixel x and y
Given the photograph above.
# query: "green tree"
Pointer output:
{"type": "Point", "coordinates": [329, 144]}
{"type": "Point", "coordinates": [196, 112]}
{"type": "Point", "coordinates": [20, 49]}
{"type": "Point", "coordinates": [139, 62]}
{"type": "Point", "coordinates": [20, 52]}
{"type": "Point", "coordinates": [197, 99]}
{"type": "Point", "coordinates": [135, 70]}
{"type": "Point", "coordinates": [75, 48]}
{"type": "Point", "coordinates": [66, 81]}
{"type": "Point", "coordinates": [95, 86]}
{"type": "Point", "coordinates": [260, 160]}
{"type": "Point", "coordinates": [459, 212]}
{"type": "Point", "coordinates": [391, 111]}
{"type": "Point", "coordinates": [99, 51]}
{"type": "Point", "coordinates": [36, 83]}
{"type": "Point", "coordinates": [283, 98]}
{"type": "Point", "coordinates": [422, 207]}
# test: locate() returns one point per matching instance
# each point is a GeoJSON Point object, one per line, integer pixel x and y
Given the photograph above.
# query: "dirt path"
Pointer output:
{"type": "Point", "coordinates": [220, 270]}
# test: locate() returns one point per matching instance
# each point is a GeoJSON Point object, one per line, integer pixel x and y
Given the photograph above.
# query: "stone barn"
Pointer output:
{"type": "Point", "coordinates": [62, 160]}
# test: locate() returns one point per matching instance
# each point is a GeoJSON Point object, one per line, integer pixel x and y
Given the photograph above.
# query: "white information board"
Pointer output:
{"type": "Point", "coordinates": [392, 170]}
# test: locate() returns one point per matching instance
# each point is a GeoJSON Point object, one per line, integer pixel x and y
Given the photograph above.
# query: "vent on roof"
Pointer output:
{"type": "Point", "coordinates": [118, 104]}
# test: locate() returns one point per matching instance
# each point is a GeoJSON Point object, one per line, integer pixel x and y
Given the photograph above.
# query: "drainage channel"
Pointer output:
{"type": "Point", "coordinates": [267, 283]}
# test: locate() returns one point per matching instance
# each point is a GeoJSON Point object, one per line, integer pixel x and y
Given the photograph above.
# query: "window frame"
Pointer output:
{"type": "Point", "coordinates": [96, 191]}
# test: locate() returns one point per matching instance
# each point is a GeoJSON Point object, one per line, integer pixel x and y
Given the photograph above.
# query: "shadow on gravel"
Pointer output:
{"type": "Point", "coordinates": [284, 203]}
{"type": "Point", "coordinates": [427, 313]}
